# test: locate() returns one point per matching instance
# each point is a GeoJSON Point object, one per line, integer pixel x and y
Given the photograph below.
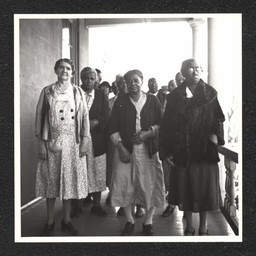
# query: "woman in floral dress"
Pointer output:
{"type": "Point", "coordinates": [62, 130]}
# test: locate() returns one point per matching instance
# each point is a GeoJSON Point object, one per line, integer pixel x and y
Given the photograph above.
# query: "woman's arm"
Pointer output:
{"type": "Point", "coordinates": [39, 114]}
{"type": "Point", "coordinates": [85, 132]}
{"type": "Point", "coordinates": [124, 154]}
{"type": "Point", "coordinates": [217, 136]}
{"type": "Point", "coordinates": [42, 149]}
{"type": "Point", "coordinates": [103, 117]}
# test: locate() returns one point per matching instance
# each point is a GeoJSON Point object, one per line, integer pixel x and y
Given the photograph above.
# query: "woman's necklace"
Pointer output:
{"type": "Point", "coordinates": [61, 89]}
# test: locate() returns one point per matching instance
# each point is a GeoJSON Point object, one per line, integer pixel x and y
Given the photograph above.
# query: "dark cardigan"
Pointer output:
{"type": "Point", "coordinates": [123, 120]}
{"type": "Point", "coordinates": [100, 111]}
{"type": "Point", "coordinates": [188, 123]}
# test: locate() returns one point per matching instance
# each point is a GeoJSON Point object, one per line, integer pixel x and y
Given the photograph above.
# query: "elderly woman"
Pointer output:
{"type": "Point", "coordinates": [137, 170]}
{"type": "Point", "coordinates": [62, 130]}
{"type": "Point", "coordinates": [98, 106]}
{"type": "Point", "coordinates": [105, 87]}
{"type": "Point", "coordinates": [191, 129]}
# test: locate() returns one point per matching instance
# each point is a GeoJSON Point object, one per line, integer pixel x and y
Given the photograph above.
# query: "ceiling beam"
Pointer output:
{"type": "Point", "coordinates": [120, 21]}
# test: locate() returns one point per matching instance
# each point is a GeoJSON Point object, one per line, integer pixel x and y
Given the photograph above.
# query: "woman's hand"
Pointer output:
{"type": "Point", "coordinates": [169, 160]}
{"type": "Point", "coordinates": [42, 150]}
{"type": "Point", "coordinates": [124, 154]}
{"type": "Point", "coordinates": [84, 145]}
{"type": "Point", "coordinates": [214, 139]}
{"type": "Point", "coordinates": [93, 123]}
{"type": "Point", "coordinates": [140, 136]}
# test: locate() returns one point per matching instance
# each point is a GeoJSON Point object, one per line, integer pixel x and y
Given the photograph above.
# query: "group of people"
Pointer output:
{"type": "Point", "coordinates": [139, 145]}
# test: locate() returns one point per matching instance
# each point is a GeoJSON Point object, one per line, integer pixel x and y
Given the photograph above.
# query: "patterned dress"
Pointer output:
{"type": "Point", "coordinates": [64, 173]}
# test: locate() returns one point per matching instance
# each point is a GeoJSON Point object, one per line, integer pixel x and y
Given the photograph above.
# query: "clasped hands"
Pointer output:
{"type": "Point", "coordinates": [93, 123]}
{"type": "Point", "coordinates": [137, 139]}
{"type": "Point", "coordinates": [169, 160]}
{"type": "Point", "coordinates": [140, 136]}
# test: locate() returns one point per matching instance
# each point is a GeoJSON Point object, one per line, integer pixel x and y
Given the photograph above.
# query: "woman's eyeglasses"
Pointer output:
{"type": "Point", "coordinates": [195, 69]}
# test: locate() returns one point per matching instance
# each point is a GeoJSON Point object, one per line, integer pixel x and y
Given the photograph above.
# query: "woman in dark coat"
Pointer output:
{"type": "Point", "coordinates": [98, 106]}
{"type": "Point", "coordinates": [191, 129]}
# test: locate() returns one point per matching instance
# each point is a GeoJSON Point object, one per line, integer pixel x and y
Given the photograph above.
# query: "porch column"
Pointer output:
{"type": "Point", "coordinates": [213, 53]}
{"type": "Point", "coordinates": [195, 25]}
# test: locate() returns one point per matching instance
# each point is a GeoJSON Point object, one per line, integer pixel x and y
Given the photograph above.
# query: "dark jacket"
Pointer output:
{"type": "Point", "coordinates": [100, 111]}
{"type": "Point", "coordinates": [188, 123]}
{"type": "Point", "coordinates": [123, 120]}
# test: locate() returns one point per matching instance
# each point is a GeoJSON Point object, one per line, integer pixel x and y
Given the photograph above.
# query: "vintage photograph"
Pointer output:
{"type": "Point", "coordinates": [128, 128]}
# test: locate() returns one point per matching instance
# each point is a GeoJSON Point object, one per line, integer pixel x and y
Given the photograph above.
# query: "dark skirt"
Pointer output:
{"type": "Point", "coordinates": [167, 172]}
{"type": "Point", "coordinates": [195, 188]}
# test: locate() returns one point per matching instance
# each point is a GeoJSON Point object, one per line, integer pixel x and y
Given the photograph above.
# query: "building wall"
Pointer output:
{"type": "Point", "coordinates": [40, 47]}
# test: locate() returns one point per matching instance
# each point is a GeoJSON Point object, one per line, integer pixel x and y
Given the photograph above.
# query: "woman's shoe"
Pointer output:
{"type": "Point", "coordinates": [108, 200]}
{"type": "Point", "coordinates": [98, 211]}
{"type": "Point", "coordinates": [140, 212]}
{"type": "Point", "coordinates": [203, 233]}
{"type": "Point", "coordinates": [147, 230]}
{"type": "Point", "coordinates": [68, 228]}
{"type": "Point", "coordinates": [128, 229]}
{"type": "Point", "coordinates": [88, 200]}
{"type": "Point", "coordinates": [120, 212]}
{"type": "Point", "coordinates": [168, 210]}
{"type": "Point", "coordinates": [189, 233]}
{"type": "Point", "coordinates": [48, 229]}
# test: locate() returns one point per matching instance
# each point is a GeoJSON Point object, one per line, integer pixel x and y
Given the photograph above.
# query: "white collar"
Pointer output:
{"type": "Point", "coordinates": [189, 93]}
{"type": "Point", "coordinates": [91, 94]}
{"type": "Point", "coordinates": [142, 97]}
{"type": "Point", "coordinates": [153, 93]}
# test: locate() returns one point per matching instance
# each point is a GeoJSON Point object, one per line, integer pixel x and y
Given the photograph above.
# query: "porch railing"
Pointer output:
{"type": "Point", "coordinates": [231, 200]}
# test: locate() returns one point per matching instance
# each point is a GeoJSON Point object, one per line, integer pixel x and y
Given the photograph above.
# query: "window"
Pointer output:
{"type": "Point", "coordinates": [65, 43]}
